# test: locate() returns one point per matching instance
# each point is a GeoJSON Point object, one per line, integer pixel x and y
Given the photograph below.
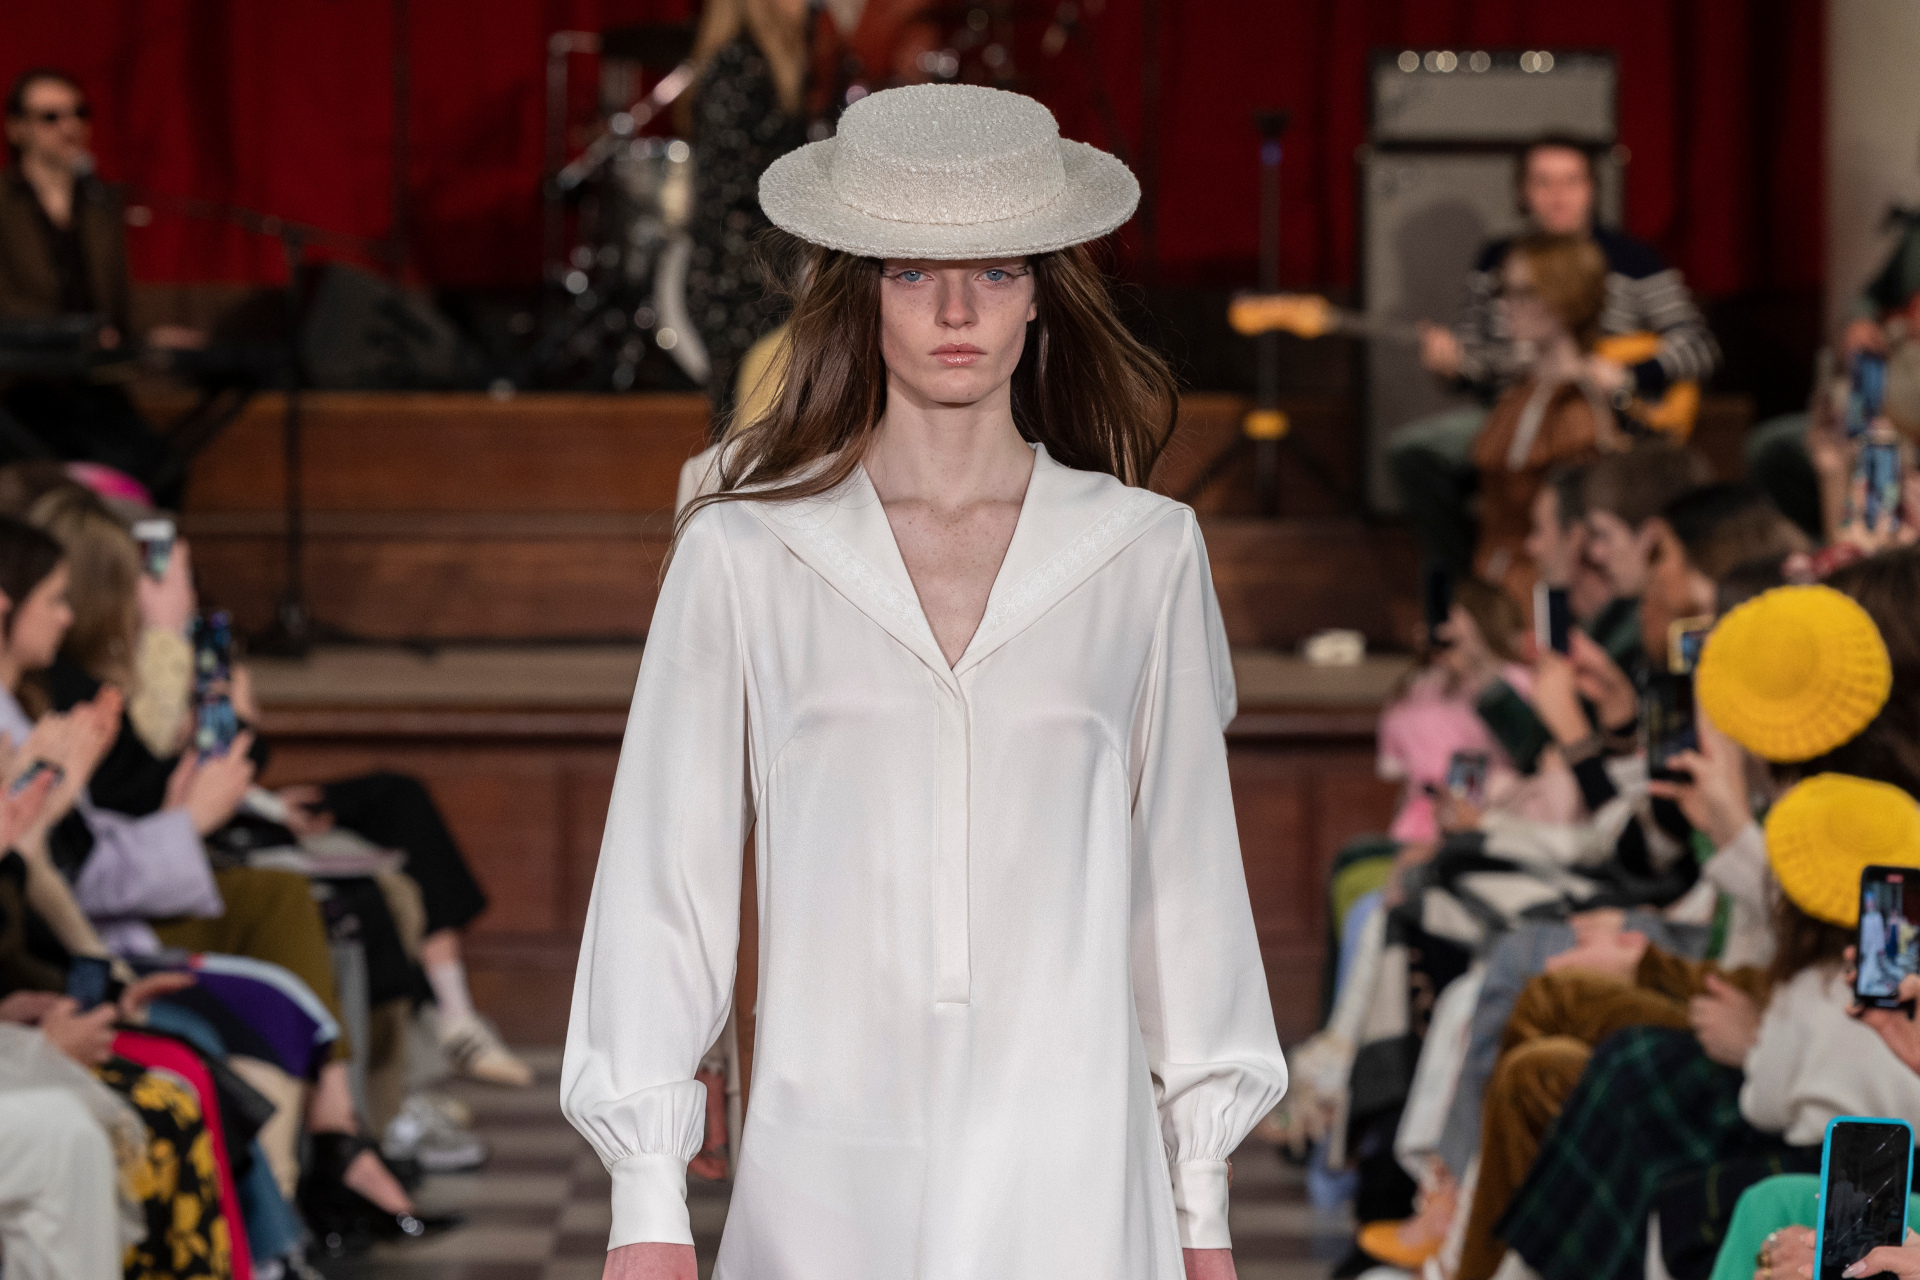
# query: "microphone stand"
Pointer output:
{"type": "Point", "coordinates": [293, 631]}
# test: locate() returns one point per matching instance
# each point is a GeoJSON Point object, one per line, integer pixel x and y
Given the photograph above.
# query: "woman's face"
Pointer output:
{"type": "Point", "coordinates": [951, 332]}
{"type": "Point", "coordinates": [1528, 317]}
{"type": "Point", "coordinates": [39, 623]}
{"type": "Point", "coordinates": [1469, 651]}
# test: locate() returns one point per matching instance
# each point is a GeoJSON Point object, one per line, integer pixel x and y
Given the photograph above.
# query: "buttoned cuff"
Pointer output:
{"type": "Point", "coordinates": [650, 1201]}
{"type": "Point", "coordinates": [1200, 1204]}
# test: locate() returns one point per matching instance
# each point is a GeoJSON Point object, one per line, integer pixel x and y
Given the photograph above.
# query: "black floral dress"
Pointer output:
{"type": "Point", "coordinates": [739, 128]}
{"type": "Point", "coordinates": [175, 1181]}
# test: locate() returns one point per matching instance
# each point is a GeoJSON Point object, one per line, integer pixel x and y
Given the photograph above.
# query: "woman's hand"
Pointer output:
{"type": "Point", "coordinates": [240, 693]}
{"type": "Point", "coordinates": [1602, 682]}
{"type": "Point", "coordinates": [27, 1008]}
{"type": "Point", "coordinates": [1901, 1260]}
{"type": "Point", "coordinates": [1726, 1020]}
{"type": "Point", "coordinates": [210, 788]}
{"type": "Point", "coordinates": [168, 603]}
{"type": "Point", "coordinates": [1895, 1026]}
{"type": "Point", "coordinates": [87, 1038]}
{"type": "Point", "coordinates": [650, 1262]}
{"type": "Point", "coordinates": [1786, 1255]}
{"type": "Point", "coordinates": [1556, 700]}
{"type": "Point", "coordinates": [143, 992]}
{"type": "Point", "coordinates": [1209, 1264]}
{"type": "Point", "coordinates": [1715, 801]}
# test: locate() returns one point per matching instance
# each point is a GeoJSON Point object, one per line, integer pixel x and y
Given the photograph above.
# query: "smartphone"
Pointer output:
{"type": "Point", "coordinates": [215, 723]}
{"type": "Point", "coordinates": [1467, 777]}
{"type": "Point", "coordinates": [1514, 725]}
{"type": "Point", "coordinates": [1685, 638]}
{"type": "Point", "coordinates": [1667, 725]}
{"type": "Point", "coordinates": [1878, 469]}
{"type": "Point", "coordinates": [1552, 619]}
{"type": "Point", "coordinates": [156, 538]}
{"type": "Point", "coordinates": [89, 978]}
{"type": "Point", "coordinates": [1866, 1170]}
{"type": "Point", "coordinates": [1866, 392]}
{"type": "Point", "coordinates": [34, 770]}
{"type": "Point", "coordinates": [1888, 946]}
{"type": "Point", "coordinates": [1437, 599]}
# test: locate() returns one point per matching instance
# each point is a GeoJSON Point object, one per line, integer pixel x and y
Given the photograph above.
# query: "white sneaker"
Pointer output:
{"type": "Point", "coordinates": [422, 1132]}
{"type": "Point", "coordinates": [474, 1050]}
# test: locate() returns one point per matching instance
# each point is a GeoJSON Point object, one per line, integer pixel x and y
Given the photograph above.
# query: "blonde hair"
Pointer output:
{"type": "Point", "coordinates": [783, 43]}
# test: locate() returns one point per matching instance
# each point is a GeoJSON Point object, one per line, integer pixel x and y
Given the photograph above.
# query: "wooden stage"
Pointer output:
{"type": "Point", "coordinates": [523, 537]}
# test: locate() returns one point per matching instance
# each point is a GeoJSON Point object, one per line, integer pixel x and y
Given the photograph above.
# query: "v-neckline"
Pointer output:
{"type": "Point", "coordinates": [1020, 522]}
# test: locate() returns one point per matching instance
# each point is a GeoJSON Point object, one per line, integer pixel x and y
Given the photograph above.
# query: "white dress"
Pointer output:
{"type": "Point", "coordinates": [1012, 1014]}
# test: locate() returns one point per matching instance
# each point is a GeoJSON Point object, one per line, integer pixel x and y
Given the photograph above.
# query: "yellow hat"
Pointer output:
{"type": "Point", "coordinates": [1794, 672]}
{"type": "Point", "coordinates": [1827, 829]}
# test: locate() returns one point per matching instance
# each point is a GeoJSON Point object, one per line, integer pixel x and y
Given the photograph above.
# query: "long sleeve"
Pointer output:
{"type": "Point", "coordinates": [1199, 985]}
{"type": "Point", "coordinates": [658, 957]}
{"type": "Point", "coordinates": [147, 868]}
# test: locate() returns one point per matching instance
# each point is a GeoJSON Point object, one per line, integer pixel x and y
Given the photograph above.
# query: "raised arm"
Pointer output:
{"type": "Point", "coordinates": [1199, 984]}
{"type": "Point", "coordinates": [657, 962]}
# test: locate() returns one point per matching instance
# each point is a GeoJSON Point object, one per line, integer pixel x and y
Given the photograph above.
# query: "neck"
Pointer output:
{"type": "Point", "coordinates": [44, 171]}
{"type": "Point", "coordinates": [947, 455]}
{"type": "Point", "coordinates": [10, 673]}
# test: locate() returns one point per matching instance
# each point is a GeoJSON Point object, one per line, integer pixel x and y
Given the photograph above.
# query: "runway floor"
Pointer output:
{"type": "Point", "coordinates": [538, 1211]}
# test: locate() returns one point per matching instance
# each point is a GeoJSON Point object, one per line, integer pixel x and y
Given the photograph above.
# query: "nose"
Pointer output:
{"type": "Point", "coordinates": [956, 310]}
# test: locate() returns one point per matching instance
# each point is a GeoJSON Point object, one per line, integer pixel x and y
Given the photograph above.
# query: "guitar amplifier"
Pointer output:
{"type": "Point", "coordinates": [1424, 216]}
{"type": "Point", "coordinates": [1481, 97]}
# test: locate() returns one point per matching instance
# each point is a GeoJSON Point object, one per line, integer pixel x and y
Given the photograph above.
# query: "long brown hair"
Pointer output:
{"type": "Point", "coordinates": [1096, 396]}
{"type": "Point", "coordinates": [103, 586]}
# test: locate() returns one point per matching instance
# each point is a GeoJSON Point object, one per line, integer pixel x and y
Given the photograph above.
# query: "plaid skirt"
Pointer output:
{"type": "Point", "coordinates": [1650, 1108]}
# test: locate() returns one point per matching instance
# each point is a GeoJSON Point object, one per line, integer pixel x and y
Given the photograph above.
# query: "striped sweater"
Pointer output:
{"type": "Point", "coordinates": [1643, 293]}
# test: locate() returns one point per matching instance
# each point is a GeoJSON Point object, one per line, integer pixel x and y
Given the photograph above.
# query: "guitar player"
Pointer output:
{"type": "Point", "coordinates": [1431, 459]}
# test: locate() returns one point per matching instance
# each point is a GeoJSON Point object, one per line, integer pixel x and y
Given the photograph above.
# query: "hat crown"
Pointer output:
{"type": "Point", "coordinates": [947, 155]}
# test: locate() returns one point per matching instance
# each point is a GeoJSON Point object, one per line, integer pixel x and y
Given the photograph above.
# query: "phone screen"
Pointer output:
{"type": "Point", "coordinates": [1552, 619]}
{"type": "Point", "coordinates": [34, 770]}
{"type": "Point", "coordinates": [215, 723]}
{"type": "Point", "coordinates": [88, 978]}
{"type": "Point", "coordinates": [1888, 946]}
{"type": "Point", "coordinates": [1865, 1170]}
{"type": "Point", "coordinates": [156, 539]}
{"type": "Point", "coordinates": [1666, 719]}
{"type": "Point", "coordinates": [1685, 638]}
{"type": "Point", "coordinates": [1878, 472]}
{"type": "Point", "coordinates": [1467, 776]}
{"type": "Point", "coordinates": [1866, 392]}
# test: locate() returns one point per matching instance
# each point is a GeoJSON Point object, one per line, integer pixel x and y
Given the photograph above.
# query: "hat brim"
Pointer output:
{"type": "Point", "coordinates": [796, 193]}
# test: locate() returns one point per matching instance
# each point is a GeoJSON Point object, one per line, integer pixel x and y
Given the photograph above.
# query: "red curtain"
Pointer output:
{"type": "Point", "coordinates": [287, 107]}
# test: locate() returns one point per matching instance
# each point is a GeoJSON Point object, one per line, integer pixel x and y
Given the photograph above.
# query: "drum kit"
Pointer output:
{"type": "Point", "coordinates": [617, 214]}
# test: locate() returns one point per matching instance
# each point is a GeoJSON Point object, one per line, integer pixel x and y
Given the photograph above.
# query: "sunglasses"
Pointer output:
{"type": "Point", "coordinates": [81, 112]}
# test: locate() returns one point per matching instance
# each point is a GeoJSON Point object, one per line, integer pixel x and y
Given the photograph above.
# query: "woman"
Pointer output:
{"type": "Point", "coordinates": [1553, 290]}
{"type": "Point", "coordinates": [967, 686]}
{"type": "Point", "coordinates": [746, 112]}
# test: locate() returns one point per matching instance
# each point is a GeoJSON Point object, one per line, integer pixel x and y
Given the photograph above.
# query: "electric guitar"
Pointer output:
{"type": "Point", "coordinates": [1308, 315]}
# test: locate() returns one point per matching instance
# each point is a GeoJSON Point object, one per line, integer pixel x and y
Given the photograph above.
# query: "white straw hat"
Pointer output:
{"type": "Point", "coordinates": [948, 171]}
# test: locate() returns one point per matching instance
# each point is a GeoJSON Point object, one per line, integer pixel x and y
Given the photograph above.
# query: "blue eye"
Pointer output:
{"type": "Point", "coordinates": [995, 275]}
{"type": "Point", "coordinates": [910, 276]}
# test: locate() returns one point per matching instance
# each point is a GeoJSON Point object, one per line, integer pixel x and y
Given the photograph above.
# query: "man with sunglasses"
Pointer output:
{"type": "Point", "coordinates": [1431, 459]}
{"type": "Point", "coordinates": [63, 255]}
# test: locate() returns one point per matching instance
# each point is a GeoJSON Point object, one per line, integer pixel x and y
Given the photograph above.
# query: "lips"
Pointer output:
{"type": "Point", "coordinates": [957, 354]}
